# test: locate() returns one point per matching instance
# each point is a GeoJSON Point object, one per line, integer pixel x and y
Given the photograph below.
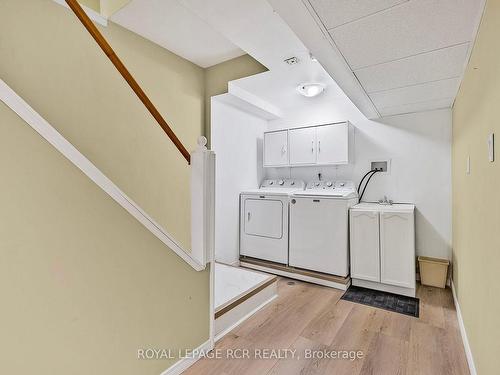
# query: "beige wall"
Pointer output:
{"type": "Point", "coordinates": [217, 77]}
{"type": "Point", "coordinates": [105, 7]}
{"type": "Point", "coordinates": [83, 284]}
{"type": "Point", "coordinates": [59, 70]}
{"type": "Point", "coordinates": [93, 4]}
{"type": "Point", "coordinates": [476, 198]}
{"type": "Point", "coordinates": [108, 7]}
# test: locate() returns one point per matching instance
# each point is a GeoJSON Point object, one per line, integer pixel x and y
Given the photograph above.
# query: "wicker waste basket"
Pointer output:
{"type": "Point", "coordinates": [433, 271]}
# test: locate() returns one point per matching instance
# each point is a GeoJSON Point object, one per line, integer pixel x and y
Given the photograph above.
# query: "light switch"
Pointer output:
{"type": "Point", "coordinates": [467, 168]}
{"type": "Point", "coordinates": [491, 147]}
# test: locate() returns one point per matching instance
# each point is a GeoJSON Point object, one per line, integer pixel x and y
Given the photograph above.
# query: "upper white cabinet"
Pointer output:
{"type": "Point", "coordinates": [276, 148]}
{"type": "Point", "coordinates": [333, 144]}
{"type": "Point", "coordinates": [330, 144]}
{"type": "Point", "coordinates": [302, 144]}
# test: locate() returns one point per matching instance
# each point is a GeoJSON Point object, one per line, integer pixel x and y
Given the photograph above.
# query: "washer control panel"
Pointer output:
{"type": "Point", "coordinates": [329, 185]}
{"type": "Point", "coordinates": [288, 183]}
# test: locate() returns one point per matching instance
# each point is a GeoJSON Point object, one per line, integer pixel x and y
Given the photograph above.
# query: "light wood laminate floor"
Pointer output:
{"type": "Point", "coordinates": [307, 316]}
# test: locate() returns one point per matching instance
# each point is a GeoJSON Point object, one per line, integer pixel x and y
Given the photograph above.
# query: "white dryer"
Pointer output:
{"type": "Point", "coordinates": [264, 220]}
{"type": "Point", "coordinates": [319, 227]}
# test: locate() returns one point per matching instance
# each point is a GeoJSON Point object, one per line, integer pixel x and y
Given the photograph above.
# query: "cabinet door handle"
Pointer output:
{"type": "Point", "coordinates": [312, 146]}
{"type": "Point", "coordinates": [319, 146]}
{"type": "Point", "coordinates": [248, 216]}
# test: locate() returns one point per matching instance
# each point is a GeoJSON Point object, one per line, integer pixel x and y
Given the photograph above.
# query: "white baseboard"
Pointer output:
{"type": "Point", "coordinates": [465, 340]}
{"type": "Point", "coordinates": [183, 364]}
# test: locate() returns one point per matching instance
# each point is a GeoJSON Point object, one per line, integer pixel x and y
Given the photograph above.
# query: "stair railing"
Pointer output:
{"type": "Point", "coordinates": [106, 48]}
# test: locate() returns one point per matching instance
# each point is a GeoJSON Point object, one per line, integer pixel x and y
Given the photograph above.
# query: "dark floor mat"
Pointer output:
{"type": "Point", "coordinates": [383, 300]}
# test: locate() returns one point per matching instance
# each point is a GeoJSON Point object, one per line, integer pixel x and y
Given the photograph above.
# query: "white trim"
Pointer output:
{"type": "Point", "coordinates": [236, 324]}
{"type": "Point", "coordinates": [268, 110]}
{"type": "Point", "coordinates": [93, 15]}
{"type": "Point", "coordinates": [184, 363]}
{"type": "Point", "coordinates": [42, 127]}
{"type": "Point", "coordinates": [298, 276]}
{"type": "Point", "coordinates": [465, 340]}
{"type": "Point", "coordinates": [202, 202]}
{"type": "Point", "coordinates": [211, 307]}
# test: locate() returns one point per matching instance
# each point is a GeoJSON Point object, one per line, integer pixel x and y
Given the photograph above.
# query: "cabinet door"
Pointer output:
{"type": "Point", "coordinates": [263, 217]}
{"type": "Point", "coordinates": [276, 148]}
{"type": "Point", "coordinates": [397, 249]}
{"type": "Point", "coordinates": [302, 144]}
{"type": "Point", "coordinates": [365, 250]}
{"type": "Point", "coordinates": [333, 144]}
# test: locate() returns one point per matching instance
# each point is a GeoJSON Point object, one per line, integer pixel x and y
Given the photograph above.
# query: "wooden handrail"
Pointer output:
{"type": "Point", "coordinates": [101, 41]}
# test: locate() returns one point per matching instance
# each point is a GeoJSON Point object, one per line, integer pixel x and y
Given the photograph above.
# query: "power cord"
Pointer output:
{"type": "Point", "coordinates": [361, 182]}
{"type": "Point", "coordinates": [373, 171]}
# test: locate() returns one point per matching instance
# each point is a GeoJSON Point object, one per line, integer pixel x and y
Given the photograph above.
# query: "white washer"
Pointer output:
{"type": "Point", "coordinates": [319, 227]}
{"type": "Point", "coordinates": [264, 220]}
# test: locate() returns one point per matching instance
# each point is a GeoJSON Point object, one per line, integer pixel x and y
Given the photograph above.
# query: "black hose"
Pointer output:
{"type": "Point", "coordinates": [361, 182]}
{"type": "Point", "coordinates": [367, 181]}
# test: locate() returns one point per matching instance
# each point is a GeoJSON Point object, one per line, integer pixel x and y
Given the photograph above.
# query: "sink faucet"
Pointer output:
{"type": "Point", "coordinates": [385, 201]}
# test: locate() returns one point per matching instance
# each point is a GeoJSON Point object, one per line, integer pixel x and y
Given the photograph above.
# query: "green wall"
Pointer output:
{"type": "Point", "coordinates": [83, 284]}
{"type": "Point", "coordinates": [217, 77]}
{"type": "Point", "coordinates": [51, 61]}
{"type": "Point", "coordinates": [476, 198]}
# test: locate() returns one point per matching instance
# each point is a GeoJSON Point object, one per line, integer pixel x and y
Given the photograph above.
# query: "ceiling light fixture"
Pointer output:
{"type": "Point", "coordinates": [310, 90]}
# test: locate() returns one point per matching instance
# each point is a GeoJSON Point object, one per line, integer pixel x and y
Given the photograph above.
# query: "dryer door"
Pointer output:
{"type": "Point", "coordinates": [263, 217]}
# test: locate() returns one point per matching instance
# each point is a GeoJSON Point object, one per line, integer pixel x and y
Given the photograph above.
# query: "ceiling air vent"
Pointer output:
{"type": "Point", "coordinates": [292, 60]}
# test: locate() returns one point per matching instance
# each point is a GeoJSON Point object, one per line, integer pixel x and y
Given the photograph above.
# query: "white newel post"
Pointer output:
{"type": "Point", "coordinates": [202, 202]}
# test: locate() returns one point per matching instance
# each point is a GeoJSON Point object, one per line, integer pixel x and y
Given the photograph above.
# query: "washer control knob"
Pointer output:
{"type": "Point", "coordinates": [329, 184]}
{"type": "Point", "coordinates": [316, 184]}
{"type": "Point", "coordinates": [271, 182]}
{"type": "Point", "coordinates": [281, 182]}
{"type": "Point", "coordinates": [342, 184]}
{"type": "Point", "coordinates": [292, 183]}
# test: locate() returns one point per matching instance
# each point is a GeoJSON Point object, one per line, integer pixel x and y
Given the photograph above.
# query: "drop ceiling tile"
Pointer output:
{"type": "Point", "coordinates": [416, 107]}
{"type": "Point", "coordinates": [432, 66]}
{"type": "Point", "coordinates": [411, 28]}
{"type": "Point", "coordinates": [334, 13]}
{"type": "Point", "coordinates": [416, 94]}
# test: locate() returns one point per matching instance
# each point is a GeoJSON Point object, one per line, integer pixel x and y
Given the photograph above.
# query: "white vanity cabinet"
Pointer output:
{"type": "Point", "coordinates": [382, 246]}
{"type": "Point", "coordinates": [276, 149]}
{"type": "Point", "coordinates": [330, 144]}
{"type": "Point", "coordinates": [365, 251]}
